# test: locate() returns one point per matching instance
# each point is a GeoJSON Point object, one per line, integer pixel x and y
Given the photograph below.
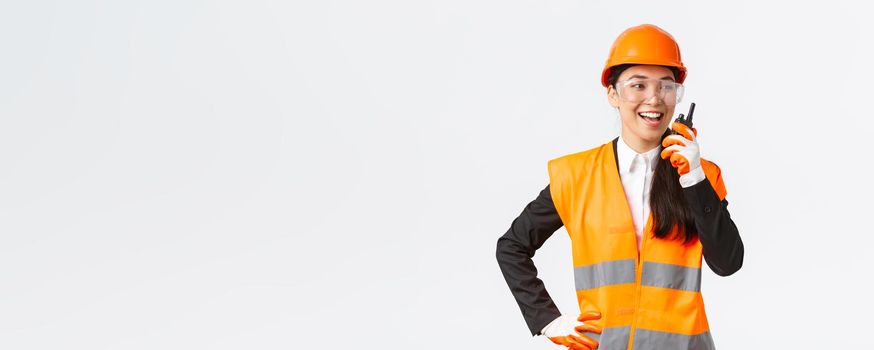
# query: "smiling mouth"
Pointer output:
{"type": "Point", "coordinates": [651, 116]}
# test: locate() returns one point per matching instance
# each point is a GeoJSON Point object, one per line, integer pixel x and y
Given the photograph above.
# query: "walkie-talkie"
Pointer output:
{"type": "Point", "coordinates": [687, 120]}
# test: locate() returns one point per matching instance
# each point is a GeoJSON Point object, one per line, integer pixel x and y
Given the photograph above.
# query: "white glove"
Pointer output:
{"type": "Point", "coordinates": [568, 330]}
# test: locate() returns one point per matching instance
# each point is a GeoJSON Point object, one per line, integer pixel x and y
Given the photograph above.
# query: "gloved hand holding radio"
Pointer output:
{"type": "Point", "coordinates": [568, 330]}
{"type": "Point", "coordinates": [682, 149]}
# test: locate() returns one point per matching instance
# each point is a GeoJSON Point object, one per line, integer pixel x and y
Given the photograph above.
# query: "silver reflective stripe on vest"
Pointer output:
{"type": "Point", "coordinates": [671, 276]}
{"type": "Point", "coordinates": [612, 338]}
{"type": "Point", "coordinates": [645, 339]}
{"type": "Point", "coordinates": [604, 274]}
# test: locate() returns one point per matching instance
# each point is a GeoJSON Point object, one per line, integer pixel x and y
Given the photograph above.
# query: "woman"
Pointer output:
{"type": "Point", "coordinates": [641, 211]}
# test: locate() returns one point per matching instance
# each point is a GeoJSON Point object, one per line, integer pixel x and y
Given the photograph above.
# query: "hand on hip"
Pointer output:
{"type": "Point", "coordinates": [568, 330]}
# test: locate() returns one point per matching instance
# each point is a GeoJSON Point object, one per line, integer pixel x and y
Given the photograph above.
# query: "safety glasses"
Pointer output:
{"type": "Point", "coordinates": [640, 90]}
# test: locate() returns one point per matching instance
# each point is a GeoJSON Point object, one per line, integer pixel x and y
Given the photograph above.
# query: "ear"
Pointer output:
{"type": "Point", "coordinates": [612, 97]}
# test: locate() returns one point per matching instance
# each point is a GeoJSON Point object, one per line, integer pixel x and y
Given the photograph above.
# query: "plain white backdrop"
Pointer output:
{"type": "Point", "coordinates": [335, 174]}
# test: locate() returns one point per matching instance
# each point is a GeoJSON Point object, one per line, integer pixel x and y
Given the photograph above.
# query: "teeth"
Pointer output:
{"type": "Point", "coordinates": [652, 115]}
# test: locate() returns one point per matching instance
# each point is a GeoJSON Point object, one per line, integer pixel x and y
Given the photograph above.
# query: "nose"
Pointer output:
{"type": "Point", "coordinates": [654, 99]}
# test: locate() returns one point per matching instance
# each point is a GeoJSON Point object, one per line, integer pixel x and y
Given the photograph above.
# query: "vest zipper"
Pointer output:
{"type": "Point", "coordinates": [638, 276]}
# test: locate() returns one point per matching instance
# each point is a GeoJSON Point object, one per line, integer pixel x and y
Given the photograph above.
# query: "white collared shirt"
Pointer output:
{"type": "Point", "coordinates": [636, 171]}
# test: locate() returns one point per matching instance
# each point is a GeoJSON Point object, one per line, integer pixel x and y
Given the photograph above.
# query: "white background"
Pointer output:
{"type": "Point", "coordinates": [335, 174]}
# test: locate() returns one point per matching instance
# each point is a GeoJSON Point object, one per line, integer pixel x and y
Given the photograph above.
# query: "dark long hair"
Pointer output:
{"type": "Point", "coordinates": [666, 200]}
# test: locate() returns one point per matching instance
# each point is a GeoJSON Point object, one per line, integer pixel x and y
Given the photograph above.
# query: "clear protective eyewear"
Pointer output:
{"type": "Point", "coordinates": [637, 90]}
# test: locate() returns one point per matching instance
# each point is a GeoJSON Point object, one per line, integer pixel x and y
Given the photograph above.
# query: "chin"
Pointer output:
{"type": "Point", "coordinates": [654, 133]}
{"type": "Point", "coordinates": [654, 136]}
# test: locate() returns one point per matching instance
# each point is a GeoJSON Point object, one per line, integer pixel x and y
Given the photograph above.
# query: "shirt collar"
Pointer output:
{"type": "Point", "coordinates": [626, 155]}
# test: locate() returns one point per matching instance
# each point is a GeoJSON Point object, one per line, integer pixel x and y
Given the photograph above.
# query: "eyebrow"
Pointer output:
{"type": "Point", "coordinates": [641, 76]}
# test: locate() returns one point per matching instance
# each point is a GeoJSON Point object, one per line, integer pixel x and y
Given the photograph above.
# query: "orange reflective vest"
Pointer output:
{"type": "Point", "coordinates": [648, 301]}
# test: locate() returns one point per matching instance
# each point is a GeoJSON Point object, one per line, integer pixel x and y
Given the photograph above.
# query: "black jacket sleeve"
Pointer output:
{"type": "Point", "coordinates": [537, 222]}
{"type": "Point", "coordinates": [723, 248]}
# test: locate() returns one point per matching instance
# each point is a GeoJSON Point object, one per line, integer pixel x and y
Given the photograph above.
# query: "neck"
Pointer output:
{"type": "Point", "coordinates": [637, 144]}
